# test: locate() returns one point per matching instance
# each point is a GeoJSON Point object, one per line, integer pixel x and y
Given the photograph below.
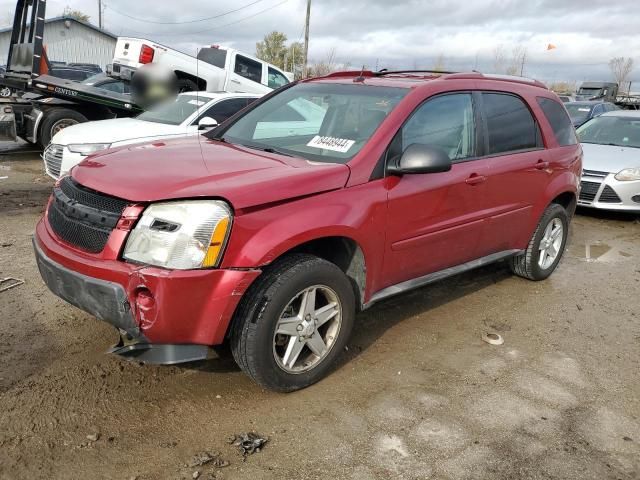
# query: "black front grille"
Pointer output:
{"type": "Point", "coordinates": [589, 191]}
{"type": "Point", "coordinates": [609, 195]}
{"type": "Point", "coordinates": [82, 217]}
{"type": "Point", "coordinates": [91, 198]}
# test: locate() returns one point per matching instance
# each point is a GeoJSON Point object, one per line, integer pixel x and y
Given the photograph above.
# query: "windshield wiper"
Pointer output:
{"type": "Point", "coordinates": [267, 149]}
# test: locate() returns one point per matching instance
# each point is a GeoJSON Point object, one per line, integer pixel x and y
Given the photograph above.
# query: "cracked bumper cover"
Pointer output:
{"type": "Point", "coordinates": [189, 306]}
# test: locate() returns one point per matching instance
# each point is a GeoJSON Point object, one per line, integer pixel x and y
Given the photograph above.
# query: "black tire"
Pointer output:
{"type": "Point", "coordinates": [186, 85]}
{"type": "Point", "coordinates": [253, 326]}
{"type": "Point", "coordinates": [526, 265]}
{"type": "Point", "coordinates": [52, 121]}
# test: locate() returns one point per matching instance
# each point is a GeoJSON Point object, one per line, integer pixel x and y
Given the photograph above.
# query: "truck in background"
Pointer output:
{"type": "Point", "coordinates": [214, 69]}
{"type": "Point", "coordinates": [43, 104]}
{"type": "Point", "coordinates": [608, 92]}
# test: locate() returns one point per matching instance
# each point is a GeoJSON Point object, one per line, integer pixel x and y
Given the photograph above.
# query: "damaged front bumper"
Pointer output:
{"type": "Point", "coordinates": [164, 316]}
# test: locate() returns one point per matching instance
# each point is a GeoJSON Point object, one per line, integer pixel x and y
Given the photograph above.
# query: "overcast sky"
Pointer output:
{"type": "Point", "coordinates": [397, 33]}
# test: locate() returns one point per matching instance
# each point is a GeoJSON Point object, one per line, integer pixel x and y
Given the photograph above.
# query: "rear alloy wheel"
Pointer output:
{"type": "Point", "coordinates": [293, 322]}
{"type": "Point", "coordinates": [546, 246]}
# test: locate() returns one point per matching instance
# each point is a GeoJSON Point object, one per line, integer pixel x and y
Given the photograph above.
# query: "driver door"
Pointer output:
{"type": "Point", "coordinates": [436, 220]}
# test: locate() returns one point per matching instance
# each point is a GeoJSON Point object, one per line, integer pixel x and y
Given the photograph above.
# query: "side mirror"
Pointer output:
{"type": "Point", "coordinates": [206, 123]}
{"type": "Point", "coordinates": [418, 158]}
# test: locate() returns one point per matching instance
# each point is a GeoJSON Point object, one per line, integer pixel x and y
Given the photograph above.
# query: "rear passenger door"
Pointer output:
{"type": "Point", "coordinates": [518, 170]}
{"type": "Point", "coordinates": [436, 220]}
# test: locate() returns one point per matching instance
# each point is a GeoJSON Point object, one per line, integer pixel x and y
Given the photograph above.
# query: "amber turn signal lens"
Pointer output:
{"type": "Point", "coordinates": [217, 243]}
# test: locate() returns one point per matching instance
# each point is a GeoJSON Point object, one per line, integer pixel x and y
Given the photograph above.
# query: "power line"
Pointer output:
{"type": "Point", "coordinates": [186, 21]}
{"type": "Point", "coordinates": [213, 28]}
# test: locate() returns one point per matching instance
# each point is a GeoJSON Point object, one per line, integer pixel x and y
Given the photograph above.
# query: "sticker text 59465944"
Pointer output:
{"type": "Point", "coordinates": [341, 145]}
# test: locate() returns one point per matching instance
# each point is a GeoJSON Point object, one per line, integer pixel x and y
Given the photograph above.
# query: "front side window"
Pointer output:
{"type": "Point", "coordinates": [276, 79]}
{"type": "Point", "coordinates": [559, 120]}
{"type": "Point", "coordinates": [446, 122]}
{"type": "Point", "coordinates": [247, 68]}
{"type": "Point", "coordinates": [510, 125]}
{"type": "Point", "coordinates": [606, 130]}
{"type": "Point", "coordinates": [316, 121]}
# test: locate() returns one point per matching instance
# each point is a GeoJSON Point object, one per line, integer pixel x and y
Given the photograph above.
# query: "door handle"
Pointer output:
{"type": "Point", "coordinates": [235, 81]}
{"type": "Point", "coordinates": [541, 165]}
{"type": "Point", "coordinates": [475, 179]}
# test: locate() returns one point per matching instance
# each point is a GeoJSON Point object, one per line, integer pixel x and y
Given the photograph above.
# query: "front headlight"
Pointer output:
{"type": "Point", "coordinates": [628, 174]}
{"type": "Point", "coordinates": [181, 235]}
{"type": "Point", "coordinates": [87, 148]}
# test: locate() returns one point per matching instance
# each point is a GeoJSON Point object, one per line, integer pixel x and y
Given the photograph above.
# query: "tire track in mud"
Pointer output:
{"type": "Point", "coordinates": [22, 200]}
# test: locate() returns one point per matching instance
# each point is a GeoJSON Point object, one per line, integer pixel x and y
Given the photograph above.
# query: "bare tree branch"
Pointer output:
{"type": "Point", "coordinates": [621, 68]}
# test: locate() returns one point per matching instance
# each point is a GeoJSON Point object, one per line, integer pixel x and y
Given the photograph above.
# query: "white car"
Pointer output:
{"type": "Point", "coordinates": [186, 115]}
{"type": "Point", "coordinates": [611, 163]}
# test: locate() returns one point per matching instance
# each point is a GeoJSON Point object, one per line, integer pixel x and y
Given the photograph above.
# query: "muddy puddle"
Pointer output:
{"type": "Point", "coordinates": [598, 252]}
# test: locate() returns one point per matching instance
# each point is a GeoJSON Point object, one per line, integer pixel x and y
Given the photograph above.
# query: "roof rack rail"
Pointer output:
{"type": "Point", "coordinates": [384, 71]}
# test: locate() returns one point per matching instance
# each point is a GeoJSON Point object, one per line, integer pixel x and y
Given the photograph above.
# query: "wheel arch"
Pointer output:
{"type": "Point", "coordinates": [342, 251]}
{"type": "Point", "coordinates": [568, 200]}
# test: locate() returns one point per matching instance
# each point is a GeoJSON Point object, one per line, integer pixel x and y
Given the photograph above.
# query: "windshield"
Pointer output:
{"type": "Point", "coordinates": [175, 111]}
{"type": "Point", "coordinates": [577, 110]}
{"type": "Point", "coordinates": [93, 79]}
{"type": "Point", "coordinates": [619, 131]}
{"type": "Point", "coordinates": [316, 121]}
{"type": "Point", "coordinates": [593, 92]}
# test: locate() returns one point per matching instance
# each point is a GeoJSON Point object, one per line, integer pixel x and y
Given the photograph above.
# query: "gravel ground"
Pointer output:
{"type": "Point", "coordinates": [418, 394]}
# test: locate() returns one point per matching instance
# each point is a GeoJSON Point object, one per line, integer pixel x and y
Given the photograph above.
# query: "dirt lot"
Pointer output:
{"type": "Point", "coordinates": [418, 395]}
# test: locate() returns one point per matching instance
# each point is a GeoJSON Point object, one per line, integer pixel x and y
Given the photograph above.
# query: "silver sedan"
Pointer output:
{"type": "Point", "coordinates": [611, 164]}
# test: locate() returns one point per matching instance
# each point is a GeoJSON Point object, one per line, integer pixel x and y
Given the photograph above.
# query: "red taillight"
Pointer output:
{"type": "Point", "coordinates": [146, 54]}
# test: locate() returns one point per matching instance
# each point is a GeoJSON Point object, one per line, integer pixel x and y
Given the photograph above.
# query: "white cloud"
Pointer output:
{"type": "Point", "coordinates": [404, 33]}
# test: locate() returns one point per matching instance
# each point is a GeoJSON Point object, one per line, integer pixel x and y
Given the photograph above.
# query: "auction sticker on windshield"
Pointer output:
{"type": "Point", "coordinates": [341, 145]}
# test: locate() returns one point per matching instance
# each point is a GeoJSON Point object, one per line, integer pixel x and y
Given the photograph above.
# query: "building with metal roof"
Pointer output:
{"type": "Point", "coordinates": [70, 40]}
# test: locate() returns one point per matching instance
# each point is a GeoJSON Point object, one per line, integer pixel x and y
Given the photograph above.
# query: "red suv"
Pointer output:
{"type": "Point", "coordinates": [272, 230]}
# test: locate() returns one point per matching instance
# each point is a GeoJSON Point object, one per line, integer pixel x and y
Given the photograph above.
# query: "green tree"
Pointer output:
{"type": "Point", "coordinates": [77, 14]}
{"type": "Point", "coordinates": [273, 48]}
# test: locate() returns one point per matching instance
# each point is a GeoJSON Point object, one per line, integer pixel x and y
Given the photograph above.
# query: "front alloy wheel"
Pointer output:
{"type": "Point", "coordinates": [293, 322]}
{"type": "Point", "coordinates": [307, 329]}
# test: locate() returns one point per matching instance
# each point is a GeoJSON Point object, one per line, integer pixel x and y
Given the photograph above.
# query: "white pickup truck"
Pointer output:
{"type": "Point", "coordinates": [215, 69]}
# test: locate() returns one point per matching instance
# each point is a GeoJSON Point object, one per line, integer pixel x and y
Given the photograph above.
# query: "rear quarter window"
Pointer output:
{"type": "Point", "coordinates": [559, 120]}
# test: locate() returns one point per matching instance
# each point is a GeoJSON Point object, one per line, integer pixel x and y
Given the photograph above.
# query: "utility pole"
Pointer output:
{"type": "Point", "coordinates": [306, 40]}
{"type": "Point", "coordinates": [100, 14]}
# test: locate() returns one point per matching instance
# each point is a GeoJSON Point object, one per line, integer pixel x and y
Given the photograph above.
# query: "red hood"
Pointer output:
{"type": "Point", "coordinates": [197, 167]}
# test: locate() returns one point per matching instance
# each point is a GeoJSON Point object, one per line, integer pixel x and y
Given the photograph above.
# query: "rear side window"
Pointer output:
{"type": "Point", "coordinates": [213, 56]}
{"type": "Point", "coordinates": [510, 125]}
{"type": "Point", "coordinates": [247, 68]}
{"type": "Point", "coordinates": [446, 122]}
{"type": "Point", "coordinates": [559, 120]}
